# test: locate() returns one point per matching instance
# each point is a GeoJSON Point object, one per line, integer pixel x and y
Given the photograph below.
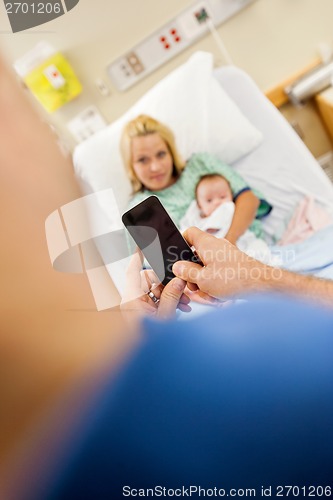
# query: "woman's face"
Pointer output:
{"type": "Point", "coordinates": [152, 162]}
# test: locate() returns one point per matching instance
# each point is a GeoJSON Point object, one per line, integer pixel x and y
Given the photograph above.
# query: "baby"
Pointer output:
{"type": "Point", "coordinates": [213, 210]}
{"type": "Point", "coordinates": [212, 191]}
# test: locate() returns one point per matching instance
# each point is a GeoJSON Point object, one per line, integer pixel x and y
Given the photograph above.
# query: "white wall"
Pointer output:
{"type": "Point", "coordinates": [270, 39]}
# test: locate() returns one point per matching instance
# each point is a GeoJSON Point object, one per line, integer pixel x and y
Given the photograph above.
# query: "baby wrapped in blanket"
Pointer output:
{"type": "Point", "coordinates": [213, 211]}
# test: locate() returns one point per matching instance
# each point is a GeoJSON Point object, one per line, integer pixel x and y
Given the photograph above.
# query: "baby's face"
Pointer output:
{"type": "Point", "coordinates": [211, 193]}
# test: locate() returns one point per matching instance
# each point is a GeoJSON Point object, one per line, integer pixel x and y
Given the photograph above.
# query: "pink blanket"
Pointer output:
{"type": "Point", "coordinates": [308, 218]}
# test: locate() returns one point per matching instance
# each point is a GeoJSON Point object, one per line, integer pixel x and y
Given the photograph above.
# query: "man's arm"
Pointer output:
{"type": "Point", "coordinates": [228, 272]}
{"type": "Point", "coordinates": [317, 289]}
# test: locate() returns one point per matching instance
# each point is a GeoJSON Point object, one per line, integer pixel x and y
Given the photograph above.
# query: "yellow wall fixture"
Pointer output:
{"type": "Point", "coordinates": [49, 76]}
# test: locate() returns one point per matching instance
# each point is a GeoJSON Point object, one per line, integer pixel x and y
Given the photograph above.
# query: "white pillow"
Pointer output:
{"type": "Point", "coordinates": [193, 104]}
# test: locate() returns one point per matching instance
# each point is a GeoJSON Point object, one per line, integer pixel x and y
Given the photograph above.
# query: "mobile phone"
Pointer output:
{"type": "Point", "coordinates": [158, 237]}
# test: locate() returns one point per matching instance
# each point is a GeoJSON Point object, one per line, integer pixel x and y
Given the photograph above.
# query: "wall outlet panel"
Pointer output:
{"type": "Point", "coordinates": [170, 40]}
{"type": "Point", "coordinates": [152, 52]}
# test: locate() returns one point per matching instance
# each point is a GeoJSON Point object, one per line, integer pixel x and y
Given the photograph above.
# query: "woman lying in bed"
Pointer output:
{"type": "Point", "coordinates": [155, 167]}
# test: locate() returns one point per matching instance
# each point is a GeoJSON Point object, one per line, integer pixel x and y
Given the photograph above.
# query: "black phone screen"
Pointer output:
{"type": "Point", "coordinates": [158, 237]}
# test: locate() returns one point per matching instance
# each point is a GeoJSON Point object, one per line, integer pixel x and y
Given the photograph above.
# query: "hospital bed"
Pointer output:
{"type": "Point", "coordinates": [223, 112]}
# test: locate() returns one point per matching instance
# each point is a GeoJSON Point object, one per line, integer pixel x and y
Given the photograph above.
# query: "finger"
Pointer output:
{"type": "Point", "coordinates": [157, 291]}
{"type": "Point", "coordinates": [133, 288]}
{"type": "Point", "coordinates": [206, 298]}
{"type": "Point", "coordinates": [192, 235]}
{"type": "Point", "coordinates": [192, 287]}
{"type": "Point", "coordinates": [152, 279]}
{"type": "Point", "coordinates": [170, 298]}
{"type": "Point", "coordinates": [198, 239]}
{"type": "Point", "coordinates": [135, 266]}
{"type": "Point", "coordinates": [184, 299]}
{"type": "Point", "coordinates": [187, 271]}
{"type": "Point", "coordinates": [184, 308]}
{"type": "Point", "coordinates": [147, 283]}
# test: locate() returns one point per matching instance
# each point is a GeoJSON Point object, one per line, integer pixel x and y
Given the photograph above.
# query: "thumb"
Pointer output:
{"type": "Point", "coordinates": [170, 298]}
{"type": "Point", "coordinates": [187, 271]}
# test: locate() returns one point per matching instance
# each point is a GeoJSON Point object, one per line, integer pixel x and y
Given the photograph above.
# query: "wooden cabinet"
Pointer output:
{"type": "Point", "coordinates": [324, 101]}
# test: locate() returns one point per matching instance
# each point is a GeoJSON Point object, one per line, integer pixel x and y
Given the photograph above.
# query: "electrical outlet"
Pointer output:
{"type": "Point", "coordinates": [170, 39]}
{"type": "Point", "coordinates": [125, 68]}
{"type": "Point", "coordinates": [175, 35]}
{"type": "Point", "coordinates": [135, 63]}
{"type": "Point", "coordinates": [122, 73]}
{"type": "Point", "coordinates": [165, 41]}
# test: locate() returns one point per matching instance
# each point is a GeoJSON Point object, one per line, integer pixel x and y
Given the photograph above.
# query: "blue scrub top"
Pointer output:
{"type": "Point", "coordinates": [239, 398]}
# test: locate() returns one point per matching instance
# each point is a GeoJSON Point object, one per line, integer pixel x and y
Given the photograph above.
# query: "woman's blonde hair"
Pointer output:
{"type": "Point", "coordinates": [144, 125]}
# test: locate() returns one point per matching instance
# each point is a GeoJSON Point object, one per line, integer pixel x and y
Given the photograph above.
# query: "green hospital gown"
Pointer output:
{"type": "Point", "coordinates": [177, 198]}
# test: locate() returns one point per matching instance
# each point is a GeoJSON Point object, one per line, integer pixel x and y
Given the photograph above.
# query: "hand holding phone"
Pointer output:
{"type": "Point", "coordinates": [158, 237]}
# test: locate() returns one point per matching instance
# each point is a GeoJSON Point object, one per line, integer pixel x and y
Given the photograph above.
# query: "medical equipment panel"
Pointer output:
{"type": "Point", "coordinates": [171, 39]}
